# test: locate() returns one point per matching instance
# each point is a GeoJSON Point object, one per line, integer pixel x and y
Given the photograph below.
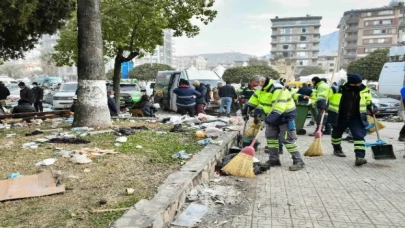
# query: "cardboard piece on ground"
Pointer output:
{"type": "Point", "coordinates": [191, 216]}
{"type": "Point", "coordinates": [42, 184]}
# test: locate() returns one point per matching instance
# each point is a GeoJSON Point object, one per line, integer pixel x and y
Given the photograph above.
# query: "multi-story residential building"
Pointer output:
{"type": "Point", "coordinates": [185, 62]}
{"type": "Point", "coordinates": [327, 62]}
{"type": "Point", "coordinates": [364, 31]}
{"type": "Point", "coordinates": [163, 54]}
{"type": "Point", "coordinates": [296, 39]}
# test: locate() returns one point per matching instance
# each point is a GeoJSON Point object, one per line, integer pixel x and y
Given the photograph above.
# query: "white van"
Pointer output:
{"type": "Point", "coordinates": [8, 81]}
{"type": "Point", "coordinates": [391, 79]}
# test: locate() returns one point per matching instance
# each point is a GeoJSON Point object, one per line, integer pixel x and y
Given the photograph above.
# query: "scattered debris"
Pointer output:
{"type": "Point", "coordinates": [117, 144]}
{"type": "Point", "coordinates": [191, 216]}
{"type": "Point", "coordinates": [36, 132]}
{"type": "Point", "coordinates": [41, 140]}
{"type": "Point", "coordinates": [46, 162]}
{"type": "Point", "coordinates": [177, 128]}
{"type": "Point", "coordinates": [205, 142]}
{"type": "Point", "coordinates": [110, 210]}
{"type": "Point", "coordinates": [122, 139]}
{"type": "Point", "coordinates": [181, 154]}
{"type": "Point", "coordinates": [213, 132]}
{"type": "Point", "coordinates": [63, 154]}
{"type": "Point", "coordinates": [68, 141]}
{"type": "Point", "coordinates": [161, 133]}
{"type": "Point", "coordinates": [80, 159]}
{"type": "Point", "coordinates": [125, 131]}
{"type": "Point", "coordinates": [10, 135]}
{"type": "Point", "coordinates": [103, 201]}
{"type": "Point", "coordinates": [13, 175]}
{"type": "Point", "coordinates": [139, 147]}
{"type": "Point", "coordinates": [82, 129]}
{"type": "Point", "coordinates": [392, 119]}
{"type": "Point", "coordinates": [30, 145]}
{"type": "Point", "coordinates": [200, 134]}
{"type": "Point", "coordinates": [42, 184]}
{"type": "Point", "coordinates": [86, 170]}
{"type": "Point", "coordinates": [130, 191]}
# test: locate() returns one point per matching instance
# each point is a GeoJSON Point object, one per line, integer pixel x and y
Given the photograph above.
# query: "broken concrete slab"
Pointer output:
{"type": "Point", "coordinates": [42, 184]}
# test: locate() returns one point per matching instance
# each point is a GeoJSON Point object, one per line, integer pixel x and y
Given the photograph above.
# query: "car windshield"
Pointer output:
{"type": "Point", "coordinates": [376, 94]}
{"type": "Point", "coordinates": [129, 88]}
{"type": "Point", "coordinates": [69, 87]}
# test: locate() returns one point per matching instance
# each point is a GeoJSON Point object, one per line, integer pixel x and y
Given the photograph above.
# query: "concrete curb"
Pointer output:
{"type": "Point", "coordinates": [171, 196]}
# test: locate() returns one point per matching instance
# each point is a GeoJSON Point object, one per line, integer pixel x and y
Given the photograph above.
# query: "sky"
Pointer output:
{"type": "Point", "coordinates": [244, 25]}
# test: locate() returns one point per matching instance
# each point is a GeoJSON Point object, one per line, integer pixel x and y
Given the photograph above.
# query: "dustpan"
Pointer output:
{"type": "Point", "coordinates": [381, 150]}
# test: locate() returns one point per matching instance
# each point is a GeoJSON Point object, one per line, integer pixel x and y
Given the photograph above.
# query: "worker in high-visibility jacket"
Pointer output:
{"type": "Point", "coordinates": [322, 91]}
{"type": "Point", "coordinates": [348, 109]}
{"type": "Point", "coordinates": [280, 122]}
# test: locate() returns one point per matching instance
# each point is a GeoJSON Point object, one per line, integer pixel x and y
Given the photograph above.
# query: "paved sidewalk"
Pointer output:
{"type": "Point", "coordinates": [330, 192]}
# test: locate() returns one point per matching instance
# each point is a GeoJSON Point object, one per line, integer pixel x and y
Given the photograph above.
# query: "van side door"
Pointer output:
{"type": "Point", "coordinates": [174, 83]}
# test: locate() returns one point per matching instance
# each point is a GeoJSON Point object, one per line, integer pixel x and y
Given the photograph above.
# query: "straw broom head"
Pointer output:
{"type": "Point", "coordinates": [315, 149]}
{"type": "Point", "coordinates": [242, 164]}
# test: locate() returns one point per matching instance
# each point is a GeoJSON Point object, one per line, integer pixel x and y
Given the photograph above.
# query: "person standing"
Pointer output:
{"type": "Point", "coordinates": [185, 100]}
{"type": "Point", "coordinates": [111, 103]}
{"type": "Point", "coordinates": [4, 93]}
{"type": "Point", "coordinates": [227, 94]}
{"type": "Point", "coordinates": [249, 90]}
{"type": "Point", "coordinates": [401, 113]}
{"type": "Point", "coordinates": [280, 122]}
{"type": "Point", "coordinates": [305, 93]}
{"type": "Point", "coordinates": [322, 92]}
{"type": "Point", "coordinates": [200, 101]}
{"type": "Point", "coordinates": [39, 97]}
{"type": "Point", "coordinates": [215, 93]}
{"type": "Point", "coordinates": [26, 93]}
{"type": "Point", "coordinates": [348, 109]}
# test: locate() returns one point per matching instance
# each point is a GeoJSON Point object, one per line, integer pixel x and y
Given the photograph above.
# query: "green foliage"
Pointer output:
{"type": "Point", "coordinates": [244, 74]}
{"type": "Point", "coordinates": [23, 23]}
{"type": "Point", "coordinates": [370, 66]}
{"type": "Point", "coordinates": [137, 25]}
{"type": "Point", "coordinates": [312, 70]}
{"type": "Point", "coordinates": [253, 61]}
{"type": "Point", "coordinates": [148, 72]}
{"type": "Point", "coordinates": [110, 74]}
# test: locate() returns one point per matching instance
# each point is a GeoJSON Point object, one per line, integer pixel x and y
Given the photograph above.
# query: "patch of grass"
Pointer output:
{"type": "Point", "coordinates": [142, 169]}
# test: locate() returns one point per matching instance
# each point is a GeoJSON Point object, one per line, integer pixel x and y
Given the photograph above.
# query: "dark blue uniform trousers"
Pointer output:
{"type": "Point", "coordinates": [358, 131]}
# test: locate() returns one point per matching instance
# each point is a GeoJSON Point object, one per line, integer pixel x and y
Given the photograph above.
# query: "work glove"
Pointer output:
{"type": "Point", "coordinates": [258, 113]}
{"type": "Point", "coordinates": [256, 121]}
{"type": "Point", "coordinates": [307, 97]}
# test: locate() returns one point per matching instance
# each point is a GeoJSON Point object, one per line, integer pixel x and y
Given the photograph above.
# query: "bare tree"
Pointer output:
{"type": "Point", "coordinates": [92, 110]}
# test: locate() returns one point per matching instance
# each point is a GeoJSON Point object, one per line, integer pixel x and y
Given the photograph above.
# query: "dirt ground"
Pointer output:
{"type": "Point", "coordinates": [106, 178]}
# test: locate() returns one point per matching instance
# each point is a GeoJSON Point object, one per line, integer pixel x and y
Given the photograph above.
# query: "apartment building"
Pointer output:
{"type": "Point", "coordinates": [297, 39]}
{"type": "Point", "coordinates": [185, 62]}
{"type": "Point", "coordinates": [364, 31]}
{"type": "Point", "coordinates": [162, 54]}
{"type": "Point", "coordinates": [327, 62]}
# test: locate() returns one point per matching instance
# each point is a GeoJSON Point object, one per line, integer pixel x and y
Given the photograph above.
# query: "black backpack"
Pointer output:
{"type": "Point", "coordinates": [207, 95]}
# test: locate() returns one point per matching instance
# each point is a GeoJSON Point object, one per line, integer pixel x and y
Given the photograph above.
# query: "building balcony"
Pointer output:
{"type": "Point", "coordinates": [351, 47]}
{"type": "Point", "coordinates": [352, 29]}
{"type": "Point", "coordinates": [352, 20]}
{"type": "Point", "coordinates": [351, 38]}
{"type": "Point", "coordinates": [350, 56]}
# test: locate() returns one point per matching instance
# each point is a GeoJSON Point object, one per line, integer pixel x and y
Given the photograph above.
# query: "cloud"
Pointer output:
{"type": "Point", "coordinates": [293, 3]}
{"type": "Point", "coordinates": [260, 17]}
{"type": "Point", "coordinates": [261, 28]}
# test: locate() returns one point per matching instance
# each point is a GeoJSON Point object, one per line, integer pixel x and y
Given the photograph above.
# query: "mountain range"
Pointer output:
{"type": "Point", "coordinates": [328, 45]}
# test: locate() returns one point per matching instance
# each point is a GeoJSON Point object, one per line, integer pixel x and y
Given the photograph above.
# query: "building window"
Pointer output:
{"type": "Point", "coordinates": [302, 54]}
{"type": "Point", "coordinates": [286, 31]}
{"type": "Point", "coordinates": [304, 30]}
{"type": "Point", "coordinates": [320, 64]}
{"type": "Point", "coordinates": [378, 41]}
{"type": "Point", "coordinates": [378, 22]}
{"type": "Point", "coordinates": [386, 12]}
{"type": "Point", "coordinates": [285, 38]}
{"type": "Point", "coordinates": [302, 46]}
{"type": "Point", "coordinates": [303, 38]}
{"type": "Point", "coordinates": [369, 50]}
{"type": "Point", "coordinates": [331, 64]}
{"type": "Point", "coordinates": [368, 14]}
{"type": "Point", "coordinates": [303, 62]}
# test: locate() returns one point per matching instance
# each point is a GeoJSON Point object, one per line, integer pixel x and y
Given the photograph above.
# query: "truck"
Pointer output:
{"type": "Point", "coordinates": [167, 81]}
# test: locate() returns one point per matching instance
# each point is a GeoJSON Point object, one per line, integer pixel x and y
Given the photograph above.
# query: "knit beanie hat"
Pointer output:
{"type": "Point", "coordinates": [354, 78]}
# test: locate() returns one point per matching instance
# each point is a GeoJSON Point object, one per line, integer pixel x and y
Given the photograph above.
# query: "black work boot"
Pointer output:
{"type": "Point", "coordinates": [360, 161]}
{"type": "Point", "coordinates": [275, 163]}
{"type": "Point", "coordinates": [339, 153]}
{"type": "Point", "coordinates": [265, 166]}
{"type": "Point", "coordinates": [280, 150]}
{"type": "Point", "coordinates": [348, 138]}
{"type": "Point", "coordinates": [326, 132]}
{"type": "Point", "coordinates": [228, 115]}
{"type": "Point", "coordinates": [297, 165]}
{"type": "Point", "coordinates": [267, 150]}
{"type": "Point", "coordinates": [310, 124]}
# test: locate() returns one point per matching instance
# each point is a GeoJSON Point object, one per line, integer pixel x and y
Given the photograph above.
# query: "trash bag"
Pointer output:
{"type": "Point", "coordinates": [68, 141]}
{"type": "Point", "coordinates": [125, 131]}
{"type": "Point", "coordinates": [36, 132]}
{"type": "Point", "coordinates": [228, 158]}
{"type": "Point", "coordinates": [177, 128]}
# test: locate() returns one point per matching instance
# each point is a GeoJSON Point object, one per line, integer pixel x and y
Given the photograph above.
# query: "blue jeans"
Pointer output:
{"type": "Point", "coordinates": [228, 102]}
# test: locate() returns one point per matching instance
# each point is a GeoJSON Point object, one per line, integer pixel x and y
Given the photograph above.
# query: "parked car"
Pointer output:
{"type": "Point", "coordinates": [149, 88]}
{"type": "Point", "coordinates": [384, 104]}
{"type": "Point", "coordinates": [63, 98]}
{"type": "Point", "coordinates": [130, 92]}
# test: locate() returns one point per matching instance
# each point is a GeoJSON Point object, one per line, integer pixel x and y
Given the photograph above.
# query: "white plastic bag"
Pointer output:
{"type": "Point", "coordinates": [122, 139]}
{"type": "Point", "coordinates": [46, 162]}
{"type": "Point", "coordinates": [212, 132]}
{"type": "Point", "coordinates": [80, 159]}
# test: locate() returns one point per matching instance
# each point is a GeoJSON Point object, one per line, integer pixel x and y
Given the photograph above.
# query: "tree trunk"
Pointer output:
{"type": "Point", "coordinates": [117, 79]}
{"type": "Point", "coordinates": [92, 110]}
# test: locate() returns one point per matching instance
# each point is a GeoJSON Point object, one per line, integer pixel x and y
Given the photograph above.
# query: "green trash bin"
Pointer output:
{"type": "Point", "coordinates": [302, 113]}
